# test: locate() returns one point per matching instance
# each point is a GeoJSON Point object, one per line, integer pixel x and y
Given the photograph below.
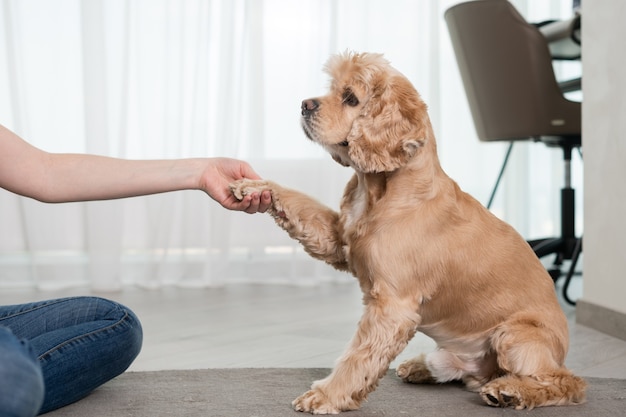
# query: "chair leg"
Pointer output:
{"type": "Point", "coordinates": [545, 247]}
{"type": "Point", "coordinates": [549, 246]}
{"type": "Point", "coordinates": [570, 273]}
{"type": "Point", "coordinates": [504, 164]}
{"type": "Point", "coordinates": [562, 246]}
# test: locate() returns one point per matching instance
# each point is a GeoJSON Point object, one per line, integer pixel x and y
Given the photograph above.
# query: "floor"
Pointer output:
{"type": "Point", "coordinates": [286, 326]}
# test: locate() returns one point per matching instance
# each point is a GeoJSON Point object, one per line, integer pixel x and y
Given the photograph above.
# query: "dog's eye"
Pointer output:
{"type": "Point", "coordinates": [349, 98]}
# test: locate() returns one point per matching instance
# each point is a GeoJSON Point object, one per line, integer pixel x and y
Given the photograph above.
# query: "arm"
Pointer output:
{"type": "Point", "coordinates": [55, 178]}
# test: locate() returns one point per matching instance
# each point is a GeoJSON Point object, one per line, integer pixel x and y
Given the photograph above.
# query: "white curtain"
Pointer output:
{"type": "Point", "coordinates": [172, 78]}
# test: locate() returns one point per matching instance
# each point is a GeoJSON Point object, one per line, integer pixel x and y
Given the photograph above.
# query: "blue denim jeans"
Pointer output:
{"type": "Point", "coordinates": [53, 353]}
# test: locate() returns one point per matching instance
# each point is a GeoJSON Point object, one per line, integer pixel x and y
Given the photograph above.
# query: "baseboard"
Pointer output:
{"type": "Point", "coordinates": [601, 318]}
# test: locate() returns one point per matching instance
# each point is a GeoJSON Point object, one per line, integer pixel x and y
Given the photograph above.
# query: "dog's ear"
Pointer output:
{"type": "Point", "coordinates": [391, 128]}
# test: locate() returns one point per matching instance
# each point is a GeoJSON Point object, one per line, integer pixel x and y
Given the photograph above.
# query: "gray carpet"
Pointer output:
{"type": "Point", "coordinates": [269, 392]}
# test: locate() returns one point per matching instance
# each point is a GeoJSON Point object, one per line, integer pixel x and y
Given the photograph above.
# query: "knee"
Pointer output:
{"type": "Point", "coordinates": [129, 333]}
{"type": "Point", "coordinates": [134, 335]}
{"type": "Point", "coordinates": [124, 323]}
{"type": "Point", "coordinates": [21, 380]}
{"type": "Point", "coordinates": [123, 332]}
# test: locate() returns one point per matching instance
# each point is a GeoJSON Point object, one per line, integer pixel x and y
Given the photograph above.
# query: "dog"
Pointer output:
{"type": "Point", "coordinates": [428, 256]}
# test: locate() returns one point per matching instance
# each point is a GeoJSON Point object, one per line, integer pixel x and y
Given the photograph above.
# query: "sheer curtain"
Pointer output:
{"type": "Point", "coordinates": [168, 79]}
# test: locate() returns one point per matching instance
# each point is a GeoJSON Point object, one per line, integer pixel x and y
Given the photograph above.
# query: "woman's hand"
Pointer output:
{"type": "Point", "coordinates": [223, 171]}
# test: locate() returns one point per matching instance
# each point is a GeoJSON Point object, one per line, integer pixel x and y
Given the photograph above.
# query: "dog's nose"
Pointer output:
{"type": "Point", "coordinates": [309, 106]}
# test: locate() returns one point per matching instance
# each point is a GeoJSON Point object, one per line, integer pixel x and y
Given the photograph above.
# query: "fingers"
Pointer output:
{"type": "Point", "coordinates": [259, 203]}
{"type": "Point", "coordinates": [266, 201]}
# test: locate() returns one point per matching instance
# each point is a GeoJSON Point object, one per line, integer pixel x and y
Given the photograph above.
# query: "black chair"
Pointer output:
{"type": "Point", "coordinates": [513, 94]}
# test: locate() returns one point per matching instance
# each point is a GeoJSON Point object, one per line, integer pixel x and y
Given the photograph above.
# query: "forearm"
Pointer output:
{"type": "Point", "coordinates": [70, 177]}
{"type": "Point", "coordinates": [57, 178]}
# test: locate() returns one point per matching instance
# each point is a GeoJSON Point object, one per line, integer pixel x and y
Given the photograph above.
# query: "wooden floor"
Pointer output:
{"type": "Point", "coordinates": [285, 326]}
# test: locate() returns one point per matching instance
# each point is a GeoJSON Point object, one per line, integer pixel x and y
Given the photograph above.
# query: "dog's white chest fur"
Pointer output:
{"type": "Point", "coordinates": [356, 209]}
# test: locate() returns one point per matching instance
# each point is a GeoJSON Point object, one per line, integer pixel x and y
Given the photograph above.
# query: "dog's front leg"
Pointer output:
{"type": "Point", "coordinates": [383, 332]}
{"type": "Point", "coordinates": [311, 223]}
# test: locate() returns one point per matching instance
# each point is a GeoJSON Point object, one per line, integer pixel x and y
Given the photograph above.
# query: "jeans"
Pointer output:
{"type": "Point", "coordinates": [53, 353]}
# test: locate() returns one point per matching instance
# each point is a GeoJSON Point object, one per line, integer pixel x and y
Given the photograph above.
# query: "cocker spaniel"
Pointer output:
{"type": "Point", "coordinates": [428, 257]}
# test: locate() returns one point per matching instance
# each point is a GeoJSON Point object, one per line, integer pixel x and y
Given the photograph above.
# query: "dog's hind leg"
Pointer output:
{"type": "Point", "coordinates": [531, 355]}
{"type": "Point", "coordinates": [383, 332]}
{"type": "Point", "coordinates": [443, 366]}
{"type": "Point", "coordinates": [560, 387]}
{"type": "Point", "coordinates": [415, 371]}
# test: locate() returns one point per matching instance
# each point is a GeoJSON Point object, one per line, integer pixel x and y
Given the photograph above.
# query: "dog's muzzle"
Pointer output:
{"type": "Point", "coordinates": [309, 107]}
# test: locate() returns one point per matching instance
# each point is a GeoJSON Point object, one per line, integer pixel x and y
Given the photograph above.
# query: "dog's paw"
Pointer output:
{"type": "Point", "coordinates": [244, 187]}
{"type": "Point", "coordinates": [415, 371]}
{"type": "Point", "coordinates": [498, 396]}
{"type": "Point", "coordinates": [314, 402]}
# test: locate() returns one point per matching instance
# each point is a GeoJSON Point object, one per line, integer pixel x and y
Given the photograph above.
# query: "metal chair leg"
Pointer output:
{"type": "Point", "coordinates": [570, 273]}
{"type": "Point", "coordinates": [495, 188]}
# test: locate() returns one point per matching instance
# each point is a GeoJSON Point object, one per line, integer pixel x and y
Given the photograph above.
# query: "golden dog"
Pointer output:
{"type": "Point", "coordinates": [428, 256]}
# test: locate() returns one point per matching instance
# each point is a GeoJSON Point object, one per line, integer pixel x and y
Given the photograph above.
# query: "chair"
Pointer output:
{"type": "Point", "coordinates": [513, 94]}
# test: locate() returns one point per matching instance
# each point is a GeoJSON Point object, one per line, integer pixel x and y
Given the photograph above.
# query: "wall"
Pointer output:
{"type": "Point", "coordinates": [603, 305]}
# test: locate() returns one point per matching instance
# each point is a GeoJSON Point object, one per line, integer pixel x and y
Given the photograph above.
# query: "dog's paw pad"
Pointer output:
{"type": "Point", "coordinates": [496, 398]}
{"type": "Point", "coordinates": [507, 399]}
{"type": "Point", "coordinates": [491, 400]}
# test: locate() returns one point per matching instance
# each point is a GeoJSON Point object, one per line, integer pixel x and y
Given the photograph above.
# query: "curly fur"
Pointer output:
{"type": "Point", "coordinates": [428, 256]}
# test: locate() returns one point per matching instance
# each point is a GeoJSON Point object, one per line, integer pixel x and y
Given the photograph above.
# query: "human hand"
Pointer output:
{"type": "Point", "coordinates": [220, 173]}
